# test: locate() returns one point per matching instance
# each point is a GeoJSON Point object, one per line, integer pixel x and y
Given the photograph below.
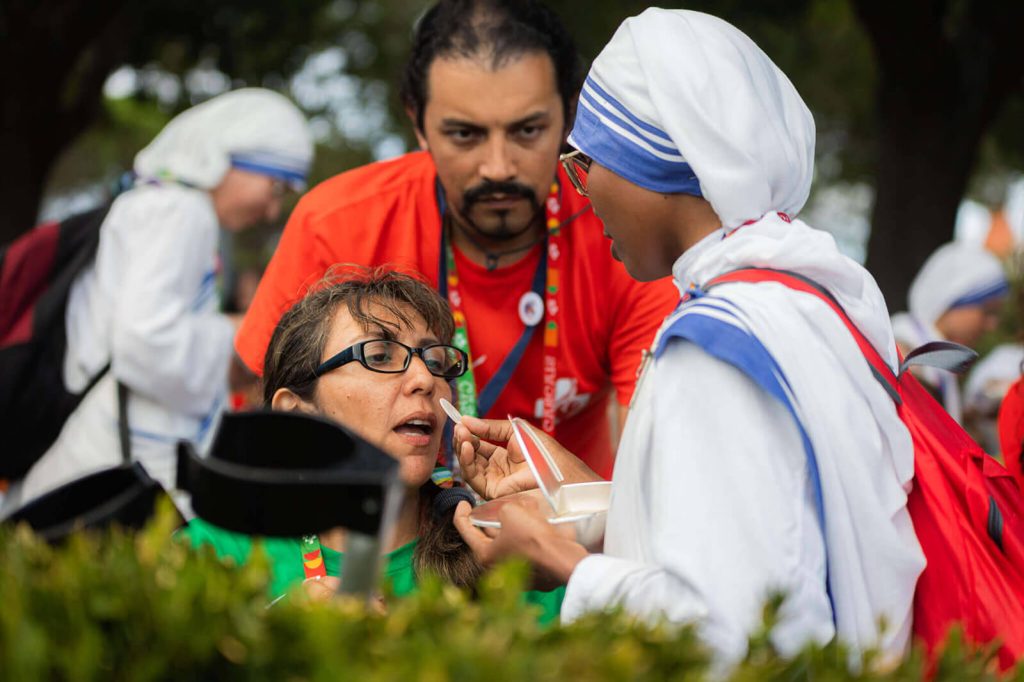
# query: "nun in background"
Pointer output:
{"type": "Point", "coordinates": [957, 296]}
{"type": "Point", "coordinates": [149, 305]}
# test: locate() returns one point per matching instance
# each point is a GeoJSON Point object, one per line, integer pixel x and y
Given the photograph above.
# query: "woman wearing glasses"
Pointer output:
{"type": "Point", "coordinates": [369, 349]}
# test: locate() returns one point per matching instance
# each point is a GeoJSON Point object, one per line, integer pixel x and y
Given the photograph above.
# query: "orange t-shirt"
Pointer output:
{"type": "Point", "coordinates": [387, 213]}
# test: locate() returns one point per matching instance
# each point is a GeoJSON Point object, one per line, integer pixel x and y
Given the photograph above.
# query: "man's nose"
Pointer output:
{"type": "Point", "coordinates": [499, 164]}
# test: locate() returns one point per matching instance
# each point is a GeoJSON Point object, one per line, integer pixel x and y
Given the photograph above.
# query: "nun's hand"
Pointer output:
{"type": "Point", "coordinates": [499, 470]}
{"type": "Point", "coordinates": [491, 470]}
{"type": "Point", "coordinates": [525, 532]}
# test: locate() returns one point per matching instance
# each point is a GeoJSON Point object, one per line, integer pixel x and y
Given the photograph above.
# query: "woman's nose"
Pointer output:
{"type": "Point", "coordinates": [418, 378]}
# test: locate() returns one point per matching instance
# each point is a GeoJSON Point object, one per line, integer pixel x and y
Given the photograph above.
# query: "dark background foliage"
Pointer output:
{"type": "Point", "coordinates": [921, 99]}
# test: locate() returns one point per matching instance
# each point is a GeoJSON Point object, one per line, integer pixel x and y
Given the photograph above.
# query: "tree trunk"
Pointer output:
{"type": "Point", "coordinates": [29, 149]}
{"type": "Point", "coordinates": [927, 149]}
{"type": "Point", "coordinates": [54, 59]}
{"type": "Point", "coordinates": [945, 70]}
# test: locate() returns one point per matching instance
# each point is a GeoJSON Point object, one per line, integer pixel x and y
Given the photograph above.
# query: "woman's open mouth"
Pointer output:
{"type": "Point", "coordinates": [417, 429]}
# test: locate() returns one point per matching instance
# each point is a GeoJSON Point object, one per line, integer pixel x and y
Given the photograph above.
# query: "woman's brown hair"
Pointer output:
{"type": "Point", "coordinates": [296, 349]}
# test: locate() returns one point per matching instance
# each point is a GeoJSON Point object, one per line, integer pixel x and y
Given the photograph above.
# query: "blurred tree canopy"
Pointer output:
{"type": "Point", "coordinates": [914, 98]}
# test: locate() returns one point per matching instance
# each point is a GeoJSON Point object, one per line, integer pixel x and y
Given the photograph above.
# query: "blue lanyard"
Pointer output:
{"type": "Point", "coordinates": [492, 391]}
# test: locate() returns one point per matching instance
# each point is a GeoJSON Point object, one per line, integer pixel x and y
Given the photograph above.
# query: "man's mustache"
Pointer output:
{"type": "Point", "coordinates": [488, 190]}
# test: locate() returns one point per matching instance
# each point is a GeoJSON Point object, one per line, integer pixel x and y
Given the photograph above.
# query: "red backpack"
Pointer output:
{"type": "Point", "coordinates": [967, 509]}
{"type": "Point", "coordinates": [36, 273]}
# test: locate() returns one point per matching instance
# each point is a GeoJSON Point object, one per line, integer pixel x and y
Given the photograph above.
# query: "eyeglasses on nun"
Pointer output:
{"type": "Point", "coordinates": [577, 166]}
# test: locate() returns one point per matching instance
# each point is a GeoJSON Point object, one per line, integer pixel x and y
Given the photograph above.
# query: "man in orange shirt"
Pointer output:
{"type": "Point", "coordinates": [484, 212]}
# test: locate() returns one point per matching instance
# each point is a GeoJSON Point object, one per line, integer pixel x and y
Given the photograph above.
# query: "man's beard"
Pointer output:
{"type": "Point", "coordinates": [486, 190]}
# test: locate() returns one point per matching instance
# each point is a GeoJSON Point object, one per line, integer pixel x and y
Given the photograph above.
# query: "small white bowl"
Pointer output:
{"type": "Point", "coordinates": [583, 508]}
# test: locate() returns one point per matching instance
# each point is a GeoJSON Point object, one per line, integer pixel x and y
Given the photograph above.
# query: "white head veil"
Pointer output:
{"type": "Point", "coordinates": [253, 129]}
{"type": "Point", "coordinates": [956, 275]}
{"type": "Point", "coordinates": [684, 102]}
{"type": "Point", "coordinates": [653, 112]}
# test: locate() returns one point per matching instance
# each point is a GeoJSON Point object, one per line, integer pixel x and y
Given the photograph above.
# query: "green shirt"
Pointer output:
{"type": "Point", "coordinates": [285, 556]}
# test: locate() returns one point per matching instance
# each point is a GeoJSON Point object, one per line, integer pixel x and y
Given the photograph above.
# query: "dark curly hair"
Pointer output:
{"type": "Point", "coordinates": [499, 29]}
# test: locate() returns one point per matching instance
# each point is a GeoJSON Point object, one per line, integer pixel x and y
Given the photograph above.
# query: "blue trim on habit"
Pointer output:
{"type": "Point", "coordinates": [286, 174]}
{"type": "Point", "coordinates": [745, 352]}
{"type": "Point", "coordinates": [664, 143]}
{"type": "Point", "coordinates": [282, 166]}
{"type": "Point", "coordinates": [983, 294]}
{"type": "Point", "coordinates": [204, 426]}
{"type": "Point", "coordinates": [207, 289]}
{"type": "Point", "coordinates": [275, 159]}
{"type": "Point", "coordinates": [210, 418]}
{"type": "Point", "coordinates": [628, 160]}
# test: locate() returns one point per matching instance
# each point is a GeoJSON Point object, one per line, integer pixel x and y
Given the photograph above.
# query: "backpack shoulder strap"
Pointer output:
{"type": "Point", "coordinates": [123, 431]}
{"type": "Point", "coordinates": [879, 367]}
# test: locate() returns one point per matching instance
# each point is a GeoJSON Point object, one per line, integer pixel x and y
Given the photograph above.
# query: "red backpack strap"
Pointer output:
{"type": "Point", "coordinates": [879, 367]}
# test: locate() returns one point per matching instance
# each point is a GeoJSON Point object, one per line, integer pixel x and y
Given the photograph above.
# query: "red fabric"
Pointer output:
{"type": "Point", "coordinates": [387, 213]}
{"type": "Point", "coordinates": [969, 579]}
{"type": "Point", "coordinates": [24, 274]}
{"type": "Point", "coordinates": [1011, 430]}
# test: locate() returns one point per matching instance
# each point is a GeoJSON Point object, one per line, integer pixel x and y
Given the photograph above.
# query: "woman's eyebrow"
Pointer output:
{"type": "Point", "coordinates": [378, 331]}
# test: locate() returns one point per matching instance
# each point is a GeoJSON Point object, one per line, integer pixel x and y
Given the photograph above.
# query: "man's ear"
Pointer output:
{"type": "Point", "coordinates": [287, 400]}
{"type": "Point", "coordinates": [421, 139]}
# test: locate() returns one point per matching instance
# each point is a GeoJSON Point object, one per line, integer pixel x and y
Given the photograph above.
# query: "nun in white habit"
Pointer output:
{"type": "Point", "coordinates": [700, 155]}
{"type": "Point", "coordinates": [957, 296]}
{"type": "Point", "coordinates": [149, 306]}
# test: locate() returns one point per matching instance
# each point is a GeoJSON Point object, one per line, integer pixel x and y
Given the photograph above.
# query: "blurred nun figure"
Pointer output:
{"type": "Point", "coordinates": [149, 303]}
{"type": "Point", "coordinates": [957, 296]}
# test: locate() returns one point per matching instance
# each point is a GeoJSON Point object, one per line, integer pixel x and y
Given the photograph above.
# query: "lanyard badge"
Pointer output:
{"type": "Point", "coordinates": [312, 557]}
{"type": "Point", "coordinates": [540, 304]}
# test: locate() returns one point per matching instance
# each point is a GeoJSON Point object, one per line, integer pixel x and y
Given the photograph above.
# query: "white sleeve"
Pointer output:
{"type": "Point", "coordinates": [166, 344]}
{"type": "Point", "coordinates": [722, 515]}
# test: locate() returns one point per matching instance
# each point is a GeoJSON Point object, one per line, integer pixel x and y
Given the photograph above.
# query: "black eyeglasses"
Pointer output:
{"type": "Point", "coordinates": [577, 166]}
{"type": "Point", "coordinates": [393, 357]}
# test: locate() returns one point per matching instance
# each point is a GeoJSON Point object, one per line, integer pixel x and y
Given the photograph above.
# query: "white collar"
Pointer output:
{"type": "Point", "coordinates": [775, 243]}
{"type": "Point", "coordinates": [684, 265]}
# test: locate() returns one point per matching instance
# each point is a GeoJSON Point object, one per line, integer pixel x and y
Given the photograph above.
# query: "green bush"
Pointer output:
{"type": "Point", "coordinates": [145, 607]}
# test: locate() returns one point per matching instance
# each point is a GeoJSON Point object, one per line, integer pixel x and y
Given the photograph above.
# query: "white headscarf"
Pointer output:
{"type": "Point", "coordinates": [676, 88]}
{"type": "Point", "coordinates": [957, 274]}
{"type": "Point", "coordinates": [252, 129]}
{"type": "Point", "coordinates": [654, 111]}
{"type": "Point", "coordinates": [1013, 208]}
{"type": "Point", "coordinates": [973, 223]}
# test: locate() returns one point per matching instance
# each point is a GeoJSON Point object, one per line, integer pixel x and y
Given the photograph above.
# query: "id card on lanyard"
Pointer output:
{"type": "Point", "coordinates": [546, 285]}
